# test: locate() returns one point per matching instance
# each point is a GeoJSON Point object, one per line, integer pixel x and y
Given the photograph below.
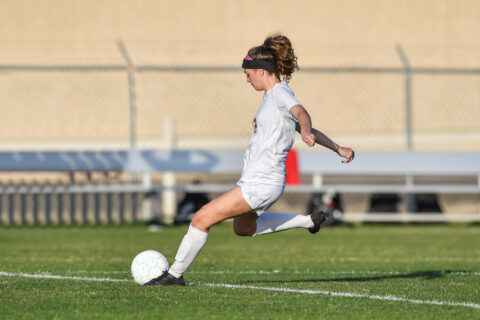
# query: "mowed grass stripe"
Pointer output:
{"type": "Point", "coordinates": [286, 290]}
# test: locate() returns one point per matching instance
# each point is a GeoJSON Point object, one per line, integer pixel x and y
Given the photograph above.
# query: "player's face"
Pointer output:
{"type": "Point", "coordinates": [254, 78]}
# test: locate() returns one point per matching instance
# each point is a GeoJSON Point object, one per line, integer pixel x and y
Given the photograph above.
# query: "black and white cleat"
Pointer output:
{"type": "Point", "coordinates": [318, 218]}
{"type": "Point", "coordinates": [166, 279]}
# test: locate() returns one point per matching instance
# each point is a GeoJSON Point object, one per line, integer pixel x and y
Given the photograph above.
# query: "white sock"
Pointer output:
{"type": "Point", "coordinates": [190, 247]}
{"type": "Point", "coordinates": [270, 222]}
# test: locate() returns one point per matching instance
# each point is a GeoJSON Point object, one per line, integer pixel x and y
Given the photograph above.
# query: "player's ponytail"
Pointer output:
{"type": "Point", "coordinates": [277, 49]}
{"type": "Point", "coordinates": [285, 58]}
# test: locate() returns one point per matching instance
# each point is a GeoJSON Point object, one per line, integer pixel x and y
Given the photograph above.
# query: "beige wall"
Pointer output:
{"type": "Point", "coordinates": [367, 111]}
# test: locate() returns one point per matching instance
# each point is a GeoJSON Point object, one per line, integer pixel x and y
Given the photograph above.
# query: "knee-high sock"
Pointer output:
{"type": "Point", "coordinates": [191, 245]}
{"type": "Point", "coordinates": [270, 222]}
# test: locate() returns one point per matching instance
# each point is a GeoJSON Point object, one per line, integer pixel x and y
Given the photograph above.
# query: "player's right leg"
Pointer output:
{"type": "Point", "coordinates": [259, 222]}
{"type": "Point", "coordinates": [245, 224]}
{"type": "Point", "coordinates": [249, 224]}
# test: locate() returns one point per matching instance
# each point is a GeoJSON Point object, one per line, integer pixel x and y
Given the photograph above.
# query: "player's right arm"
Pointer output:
{"type": "Point", "coordinates": [304, 124]}
{"type": "Point", "coordinates": [311, 135]}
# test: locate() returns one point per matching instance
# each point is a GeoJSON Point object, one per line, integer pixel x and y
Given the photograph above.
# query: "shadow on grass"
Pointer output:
{"type": "Point", "coordinates": [426, 275]}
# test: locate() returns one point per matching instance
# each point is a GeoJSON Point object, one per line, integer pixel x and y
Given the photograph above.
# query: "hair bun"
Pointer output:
{"type": "Point", "coordinates": [278, 50]}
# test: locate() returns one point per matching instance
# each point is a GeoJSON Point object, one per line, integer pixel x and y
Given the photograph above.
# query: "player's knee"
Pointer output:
{"type": "Point", "coordinates": [201, 222]}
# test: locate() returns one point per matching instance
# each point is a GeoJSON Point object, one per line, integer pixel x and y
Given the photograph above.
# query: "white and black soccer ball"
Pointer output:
{"type": "Point", "coordinates": [148, 265]}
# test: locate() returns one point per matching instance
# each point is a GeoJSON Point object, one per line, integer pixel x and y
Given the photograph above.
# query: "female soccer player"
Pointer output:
{"type": "Point", "coordinates": [263, 178]}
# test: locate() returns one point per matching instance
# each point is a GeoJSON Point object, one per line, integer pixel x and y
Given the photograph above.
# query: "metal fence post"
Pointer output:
{"type": "Point", "coordinates": [131, 93]}
{"type": "Point", "coordinates": [411, 205]}
{"type": "Point", "coordinates": [60, 198]}
{"type": "Point", "coordinates": [47, 205]}
{"type": "Point", "coordinates": [11, 203]}
{"type": "Point", "coordinates": [408, 96]}
{"type": "Point", "coordinates": [22, 190]}
{"type": "Point", "coordinates": [169, 195]}
{"type": "Point", "coordinates": [2, 221]}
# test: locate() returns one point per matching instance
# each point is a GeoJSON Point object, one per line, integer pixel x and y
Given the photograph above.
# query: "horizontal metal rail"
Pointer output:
{"type": "Point", "coordinates": [410, 217]}
{"type": "Point", "coordinates": [87, 188]}
{"type": "Point", "coordinates": [339, 188]}
{"type": "Point", "coordinates": [205, 69]}
{"type": "Point", "coordinates": [222, 187]}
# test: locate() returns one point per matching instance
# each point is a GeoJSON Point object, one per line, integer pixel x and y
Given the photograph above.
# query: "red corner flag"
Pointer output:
{"type": "Point", "coordinates": [293, 176]}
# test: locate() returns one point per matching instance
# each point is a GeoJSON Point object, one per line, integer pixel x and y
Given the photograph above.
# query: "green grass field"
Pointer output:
{"type": "Point", "coordinates": [361, 272]}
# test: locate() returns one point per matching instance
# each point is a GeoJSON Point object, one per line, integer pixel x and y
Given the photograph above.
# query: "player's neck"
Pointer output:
{"type": "Point", "coordinates": [270, 83]}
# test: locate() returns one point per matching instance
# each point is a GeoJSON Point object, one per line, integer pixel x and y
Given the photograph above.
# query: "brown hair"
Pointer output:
{"type": "Point", "coordinates": [278, 50]}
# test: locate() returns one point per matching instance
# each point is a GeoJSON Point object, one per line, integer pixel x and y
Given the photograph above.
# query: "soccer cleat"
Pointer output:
{"type": "Point", "coordinates": [166, 279]}
{"type": "Point", "coordinates": [318, 217]}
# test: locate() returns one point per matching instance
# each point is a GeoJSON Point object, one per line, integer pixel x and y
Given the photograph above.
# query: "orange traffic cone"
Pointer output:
{"type": "Point", "coordinates": [293, 175]}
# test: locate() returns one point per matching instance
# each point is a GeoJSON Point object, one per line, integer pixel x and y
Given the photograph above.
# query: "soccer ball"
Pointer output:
{"type": "Point", "coordinates": [148, 265]}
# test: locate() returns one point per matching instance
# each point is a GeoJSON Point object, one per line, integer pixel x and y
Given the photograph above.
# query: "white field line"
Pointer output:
{"type": "Point", "coordinates": [345, 294]}
{"type": "Point", "coordinates": [233, 286]}
{"type": "Point", "coordinates": [52, 276]}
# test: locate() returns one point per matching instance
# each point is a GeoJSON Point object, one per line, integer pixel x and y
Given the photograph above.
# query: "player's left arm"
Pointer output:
{"type": "Point", "coordinates": [311, 135]}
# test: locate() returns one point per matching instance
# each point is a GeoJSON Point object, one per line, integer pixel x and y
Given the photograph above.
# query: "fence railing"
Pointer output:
{"type": "Point", "coordinates": [59, 203]}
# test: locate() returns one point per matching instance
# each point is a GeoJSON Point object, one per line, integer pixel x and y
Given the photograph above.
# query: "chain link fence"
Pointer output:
{"type": "Point", "coordinates": [97, 107]}
{"type": "Point", "coordinates": [62, 107]}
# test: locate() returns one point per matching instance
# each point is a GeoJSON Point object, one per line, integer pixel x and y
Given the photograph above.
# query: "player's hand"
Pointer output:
{"type": "Point", "coordinates": [309, 139]}
{"type": "Point", "coordinates": [347, 153]}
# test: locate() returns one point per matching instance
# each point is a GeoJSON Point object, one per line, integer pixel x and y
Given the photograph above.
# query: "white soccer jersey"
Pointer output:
{"type": "Point", "coordinates": [272, 138]}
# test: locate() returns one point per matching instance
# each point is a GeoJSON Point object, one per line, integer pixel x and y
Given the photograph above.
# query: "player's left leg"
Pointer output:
{"type": "Point", "coordinates": [228, 205]}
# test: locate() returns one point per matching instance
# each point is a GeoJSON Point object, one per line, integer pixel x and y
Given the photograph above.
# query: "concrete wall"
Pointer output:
{"type": "Point", "coordinates": [218, 32]}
